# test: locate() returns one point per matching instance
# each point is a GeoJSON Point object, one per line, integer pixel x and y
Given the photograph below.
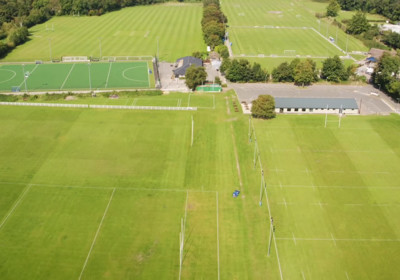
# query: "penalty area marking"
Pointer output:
{"type": "Point", "coordinates": [12, 77]}
{"type": "Point", "coordinates": [97, 233]}
{"type": "Point", "coordinates": [134, 80]}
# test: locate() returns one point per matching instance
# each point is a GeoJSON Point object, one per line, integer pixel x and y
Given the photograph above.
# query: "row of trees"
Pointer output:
{"type": "Point", "coordinates": [388, 8]}
{"type": "Point", "coordinates": [213, 23]}
{"type": "Point", "coordinates": [301, 72]}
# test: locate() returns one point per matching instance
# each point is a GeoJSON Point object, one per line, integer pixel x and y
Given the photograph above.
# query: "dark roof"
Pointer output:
{"type": "Point", "coordinates": [316, 103]}
{"type": "Point", "coordinates": [184, 63]}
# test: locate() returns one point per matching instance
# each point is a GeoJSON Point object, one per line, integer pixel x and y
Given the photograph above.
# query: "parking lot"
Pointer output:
{"type": "Point", "coordinates": [370, 104]}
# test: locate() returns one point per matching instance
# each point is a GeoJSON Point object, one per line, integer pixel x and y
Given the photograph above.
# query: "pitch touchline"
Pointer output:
{"type": "Point", "coordinates": [335, 187]}
{"type": "Point", "coordinates": [340, 239]}
{"type": "Point", "coordinates": [108, 188]}
{"type": "Point", "coordinates": [97, 233]}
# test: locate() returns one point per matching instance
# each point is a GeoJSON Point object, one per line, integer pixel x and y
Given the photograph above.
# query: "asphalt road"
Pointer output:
{"type": "Point", "coordinates": [370, 104]}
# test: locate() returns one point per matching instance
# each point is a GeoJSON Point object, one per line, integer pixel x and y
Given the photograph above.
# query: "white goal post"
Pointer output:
{"type": "Point", "coordinates": [127, 58]}
{"type": "Point", "coordinates": [75, 59]}
{"type": "Point", "coordinates": [289, 52]}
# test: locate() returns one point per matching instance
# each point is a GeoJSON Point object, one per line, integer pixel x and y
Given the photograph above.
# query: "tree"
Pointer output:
{"type": "Point", "coordinates": [333, 70]}
{"type": "Point", "coordinates": [263, 107]}
{"type": "Point", "coordinates": [304, 73]}
{"type": "Point", "coordinates": [259, 74]}
{"type": "Point", "coordinates": [283, 73]}
{"type": "Point", "coordinates": [195, 76]}
{"type": "Point", "coordinates": [358, 24]}
{"type": "Point", "coordinates": [333, 8]}
{"type": "Point", "coordinates": [386, 73]}
{"type": "Point", "coordinates": [225, 65]}
{"type": "Point", "coordinates": [223, 51]}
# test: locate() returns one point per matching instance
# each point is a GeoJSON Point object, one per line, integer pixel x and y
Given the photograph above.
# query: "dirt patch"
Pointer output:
{"type": "Point", "coordinates": [70, 97]}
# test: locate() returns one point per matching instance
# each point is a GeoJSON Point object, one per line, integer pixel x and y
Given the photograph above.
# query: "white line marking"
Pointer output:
{"type": "Point", "coordinates": [97, 232]}
{"type": "Point", "coordinates": [66, 78]}
{"type": "Point", "coordinates": [340, 239]}
{"type": "Point", "coordinates": [320, 204]}
{"type": "Point", "coordinates": [294, 239]}
{"type": "Point", "coordinates": [108, 76]}
{"type": "Point", "coordinates": [333, 239]}
{"type": "Point", "coordinates": [148, 74]}
{"type": "Point", "coordinates": [284, 202]}
{"type": "Point", "coordinates": [236, 157]}
{"type": "Point", "coordinates": [302, 274]}
{"type": "Point", "coordinates": [347, 276]}
{"type": "Point", "coordinates": [338, 187]}
{"type": "Point", "coordinates": [187, 196]}
{"type": "Point", "coordinates": [217, 235]}
{"type": "Point", "coordinates": [29, 75]}
{"type": "Point", "coordinates": [134, 101]}
{"type": "Point", "coordinates": [15, 206]}
{"type": "Point", "coordinates": [280, 184]}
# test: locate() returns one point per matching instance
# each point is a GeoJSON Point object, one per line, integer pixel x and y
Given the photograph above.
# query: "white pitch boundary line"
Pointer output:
{"type": "Point", "coordinates": [333, 239]}
{"type": "Point", "coordinates": [110, 188]}
{"type": "Point", "coordinates": [97, 233]}
{"type": "Point", "coordinates": [336, 187]}
{"type": "Point", "coordinates": [218, 236]}
{"type": "Point", "coordinates": [347, 276]}
{"type": "Point", "coordinates": [66, 78]}
{"type": "Point", "coordinates": [15, 206]}
{"type": "Point", "coordinates": [108, 76]}
{"type": "Point", "coordinates": [340, 239]}
{"type": "Point", "coordinates": [294, 239]}
{"type": "Point", "coordinates": [302, 274]}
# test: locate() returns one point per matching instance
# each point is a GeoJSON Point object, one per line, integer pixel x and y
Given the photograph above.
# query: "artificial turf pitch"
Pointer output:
{"type": "Point", "coordinates": [100, 194]}
{"type": "Point", "coordinates": [77, 76]}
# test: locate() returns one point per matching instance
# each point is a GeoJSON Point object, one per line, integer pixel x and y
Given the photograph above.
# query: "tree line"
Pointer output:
{"type": "Point", "coordinates": [387, 8]}
{"type": "Point", "coordinates": [300, 72]}
{"type": "Point", "coordinates": [213, 23]}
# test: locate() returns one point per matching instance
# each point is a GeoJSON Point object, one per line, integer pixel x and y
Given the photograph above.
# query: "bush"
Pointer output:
{"type": "Point", "coordinates": [195, 76]}
{"type": "Point", "coordinates": [263, 107]}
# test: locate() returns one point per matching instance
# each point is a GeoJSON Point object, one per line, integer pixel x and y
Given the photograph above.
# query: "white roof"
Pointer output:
{"type": "Point", "coordinates": [392, 27]}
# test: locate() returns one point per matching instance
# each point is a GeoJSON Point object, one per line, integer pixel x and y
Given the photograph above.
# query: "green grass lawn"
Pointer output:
{"type": "Point", "coordinates": [131, 31]}
{"type": "Point", "coordinates": [101, 193]}
{"type": "Point", "coordinates": [75, 76]}
{"type": "Point", "coordinates": [253, 40]}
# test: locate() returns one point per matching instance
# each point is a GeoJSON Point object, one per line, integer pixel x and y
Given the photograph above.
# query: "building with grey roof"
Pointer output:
{"type": "Point", "coordinates": [316, 105]}
{"type": "Point", "coordinates": [183, 63]}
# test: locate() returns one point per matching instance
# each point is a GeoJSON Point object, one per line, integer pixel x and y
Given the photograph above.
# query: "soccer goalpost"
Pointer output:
{"type": "Point", "coordinates": [289, 52]}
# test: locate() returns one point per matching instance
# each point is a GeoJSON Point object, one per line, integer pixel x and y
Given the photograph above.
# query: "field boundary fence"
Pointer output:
{"type": "Point", "coordinates": [121, 107]}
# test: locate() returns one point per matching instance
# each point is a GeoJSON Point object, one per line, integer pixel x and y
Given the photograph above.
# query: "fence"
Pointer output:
{"type": "Point", "coordinates": [121, 107]}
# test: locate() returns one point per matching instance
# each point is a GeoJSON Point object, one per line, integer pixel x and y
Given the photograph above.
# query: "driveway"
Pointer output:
{"type": "Point", "coordinates": [370, 104]}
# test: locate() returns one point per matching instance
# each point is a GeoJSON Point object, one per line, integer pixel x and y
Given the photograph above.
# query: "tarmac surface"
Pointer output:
{"type": "Point", "coordinates": [370, 104]}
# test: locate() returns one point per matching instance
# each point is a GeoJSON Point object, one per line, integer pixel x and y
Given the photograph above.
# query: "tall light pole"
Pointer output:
{"type": "Point", "coordinates": [23, 72]}
{"type": "Point", "coordinates": [90, 78]}
{"type": "Point", "coordinates": [50, 49]}
{"type": "Point", "coordinates": [100, 47]}
{"type": "Point", "coordinates": [157, 49]}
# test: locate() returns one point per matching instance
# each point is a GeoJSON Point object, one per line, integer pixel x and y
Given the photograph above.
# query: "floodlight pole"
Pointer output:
{"type": "Point", "coordinates": [262, 180]}
{"type": "Point", "coordinates": [255, 152]}
{"type": "Point", "coordinates": [249, 128]}
{"type": "Point", "coordinates": [90, 78]}
{"type": "Point", "coordinates": [51, 58]}
{"type": "Point", "coordinates": [23, 73]}
{"type": "Point", "coordinates": [100, 46]}
{"type": "Point", "coordinates": [270, 235]}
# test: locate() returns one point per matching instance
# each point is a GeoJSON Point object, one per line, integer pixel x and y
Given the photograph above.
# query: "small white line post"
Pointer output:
{"type": "Point", "coordinates": [97, 233]}
{"type": "Point", "coordinates": [218, 236]}
{"type": "Point", "coordinates": [326, 114]}
{"type": "Point", "coordinates": [191, 142]}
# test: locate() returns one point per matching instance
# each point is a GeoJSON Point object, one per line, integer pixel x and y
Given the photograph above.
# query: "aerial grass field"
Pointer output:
{"type": "Point", "coordinates": [77, 76]}
{"type": "Point", "coordinates": [100, 194]}
{"type": "Point", "coordinates": [131, 31]}
{"type": "Point", "coordinates": [254, 14]}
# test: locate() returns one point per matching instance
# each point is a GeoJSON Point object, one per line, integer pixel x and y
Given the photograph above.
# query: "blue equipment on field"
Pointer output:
{"type": "Point", "coordinates": [236, 193]}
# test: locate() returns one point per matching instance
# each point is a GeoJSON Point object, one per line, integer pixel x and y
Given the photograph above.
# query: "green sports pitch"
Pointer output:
{"type": "Point", "coordinates": [100, 194]}
{"type": "Point", "coordinates": [76, 76]}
